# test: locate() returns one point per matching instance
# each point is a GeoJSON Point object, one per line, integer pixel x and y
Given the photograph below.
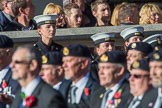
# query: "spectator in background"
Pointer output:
{"type": "Point", "coordinates": [150, 13]}
{"type": "Point", "coordinates": [129, 14]}
{"type": "Point", "coordinates": [82, 5]}
{"type": "Point", "coordinates": [73, 15]}
{"type": "Point", "coordinates": [46, 28]}
{"type": "Point", "coordinates": [101, 11]}
{"type": "Point", "coordinates": [6, 15]}
{"type": "Point", "coordinates": [52, 71]}
{"type": "Point", "coordinates": [24, 12]}
{"type": "Point", "coordinates": [115, 14]}
{"type": "Point", "coordinates": [52, 8]}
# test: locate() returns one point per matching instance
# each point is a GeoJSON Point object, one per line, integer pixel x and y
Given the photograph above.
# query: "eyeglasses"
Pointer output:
{"type": "Point", "coordinates": [20, 62]}
{"type": "Point", "coordinates": [137, 76]}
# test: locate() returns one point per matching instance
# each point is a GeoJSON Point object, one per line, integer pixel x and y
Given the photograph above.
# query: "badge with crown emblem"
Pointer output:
{"type": "Point", "coordinates": [133, 45]}
{"type": "Point", "coordinates": [104, 58]}
{"type": "Point", "coordinates": [156, 56]}
{"type": "Point", "coordinates": [135, 64]}
{"type": "Point", "coordinates": [66, 51]}
{"type": "Point", "coordinates": [156, 48]}
{"type": "Point", "coordinates": [44, 59]}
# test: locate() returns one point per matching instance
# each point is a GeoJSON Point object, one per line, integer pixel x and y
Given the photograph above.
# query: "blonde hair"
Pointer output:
{"type": "Point", "coordinates": [52, 8]}
{"type": "Point", "coordinates": [145, 12]}
{"type": "Point", "coordinates": [114, 18]}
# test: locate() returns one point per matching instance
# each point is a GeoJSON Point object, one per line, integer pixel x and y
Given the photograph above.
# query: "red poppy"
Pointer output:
{"type": "Point", "coordinates": [117, 95]}
{"type": "Point", "coordinates": [4, 84]}
{"type": "Point", "coordinates": [86, 91]}
{"type": "Point", "coordinates": [29, 101]}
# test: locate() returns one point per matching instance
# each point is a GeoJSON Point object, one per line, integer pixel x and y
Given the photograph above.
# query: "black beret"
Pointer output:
{"type": "Point", "coordinates": [141, 46]}
{"type": "Point", "coordinates": [6, 42]}
{"type": "Point", "coordinates": [142, 64]}
{"type": "Point", "coordinates": [76, 50]}
{"type": "Point", "coordinates": [113, 57]}
{"type": "Point", "coordinates": [54, 58]}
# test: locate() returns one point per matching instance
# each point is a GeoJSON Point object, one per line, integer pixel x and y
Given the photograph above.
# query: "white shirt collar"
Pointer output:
{"type": "Point", "coordinates": [31, 86]}
{"type": "Point", "coordinates": [80, 86]}
{"type": "Point", "coordinates": [57, 86]}
{"type": "Point", "coordinates": [3, 73]}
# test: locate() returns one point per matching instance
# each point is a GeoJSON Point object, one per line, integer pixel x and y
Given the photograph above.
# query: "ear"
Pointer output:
{"type": "Point", "coordinates": [84, 63]}
{"type": "Point", "coordinates": [126, 43]}
{"type": "Point", "coordinates": [120, 71]}
{"type": "Point", "coordinates": [33, 65]}
{"type": "Point", "coordinates": [93, 13]}
{"type": "Point", "coordinates": [97, 50]}
{"type": "Point", "coordinates": [21, 11]}
{"type": "Point", "coordinates": [60, 70]}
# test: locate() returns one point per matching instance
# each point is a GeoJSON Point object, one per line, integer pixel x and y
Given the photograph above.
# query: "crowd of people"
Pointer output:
{"type": "Point", "coordinates": [49, 75]}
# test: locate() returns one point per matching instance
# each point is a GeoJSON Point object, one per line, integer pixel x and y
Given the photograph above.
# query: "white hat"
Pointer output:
{"type": "Point", "coordinates": [132, 31]}
{"type": "Point", "coordinates": [45, 19]}
{"type": "Point", "coordinates": [103, 37]}
{"type": "Point", "coordinates": [153, 39]}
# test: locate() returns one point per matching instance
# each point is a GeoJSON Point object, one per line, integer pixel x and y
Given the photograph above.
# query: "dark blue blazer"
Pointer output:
{"type": "Point", "coordinates": [45, 95]}
{"type": "Point", "coordinates": [10, 82]}
{"type": "Point", "coordinates": [96, 98]}
{"type": "Point", "coordinates": [147, 101]}
{"type": "Point", "coordinates": [91, 85]}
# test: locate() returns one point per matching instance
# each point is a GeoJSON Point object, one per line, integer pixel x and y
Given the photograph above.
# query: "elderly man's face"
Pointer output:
{"type": "Point", "coordinates": [156, 73]}
{"type": "Point", "coordinates": [139, 81]}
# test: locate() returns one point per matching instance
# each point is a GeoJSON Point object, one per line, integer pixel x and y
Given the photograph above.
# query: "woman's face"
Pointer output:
{"type": "Point", "coordinates": [154, 17]}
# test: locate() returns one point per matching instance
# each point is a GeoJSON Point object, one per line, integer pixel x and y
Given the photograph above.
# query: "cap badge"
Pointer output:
{"type": "Point", "coordinates": [66, 51]}
{"type": "Point", "coordinates": [133, 45]}
{"type": "Point", "coordinates": [107, 38]}
{"type": "Point", "coordinates": [44, 59]}
{"type": "Point", "coordinates": [135, 64]}
{"type": "Point", "coordinates": [104, 58]}
{"type": "Point", "coordinates": [156, 56]}
{"type": "Point", "coordinates": [156, 48]}
{"type": "Point", "coordinates": [137, 33]}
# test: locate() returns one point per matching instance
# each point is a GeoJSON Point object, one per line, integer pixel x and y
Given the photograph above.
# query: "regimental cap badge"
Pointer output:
{"type": "Point", "coordinates": [156, 48]}
{"type": "Point", "coordinates": [137, 33]}
{"type": "Point", "coordinates": [44, 59]}
{"type": "Point", "coordinates": [108, 38]}
{"type": "Point", "coordinates": [66, 51]}
{"type": "Point", "coordinates": [135, 64]}
{"type": "Point", "coordinates": [104, 58]}
{"type": "Point", "coordinates": [133, 45]}
{"type": "Point", "coordinates": [156, 56]}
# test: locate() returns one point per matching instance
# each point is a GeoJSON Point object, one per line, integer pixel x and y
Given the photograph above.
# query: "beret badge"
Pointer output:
{"type": "Point", "coordinates": [156, 48]}
{"type": "Point", "coordinates": [44, 59]}
{"type": "Point", "coordinates": [133, 45]}
{"type": "Point", "coordinates": [104, 58]}
{"type": "Point", "coordinates": [135, 64]}
{"type": "Point", "coordinates": [66, 51]}
{"type": "Point", "coordinates": [156, 56]}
